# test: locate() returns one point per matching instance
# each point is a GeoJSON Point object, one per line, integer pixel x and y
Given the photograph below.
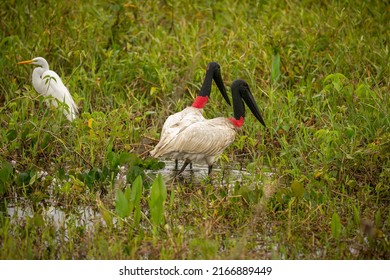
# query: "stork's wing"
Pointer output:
{"type": "Point", "coordinates": [187, 116]}
{"type": "Point", "coordinates": [208, 137]}
{"type": "Point", "coordinates": [174, 125]}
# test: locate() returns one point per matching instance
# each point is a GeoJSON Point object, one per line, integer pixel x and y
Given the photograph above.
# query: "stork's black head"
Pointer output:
{"type": "Point", "coordinates": [213, 72]}
{"type": "Point", "coordinates": [240, 91]}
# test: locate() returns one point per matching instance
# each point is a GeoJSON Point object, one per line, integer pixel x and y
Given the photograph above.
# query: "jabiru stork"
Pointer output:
{"type": "Point", "coordinates": [192, 114]}
{"type": "Point", "coordinates": [204, 140]}
{"type": "Point", "coordinates": [49, 84]}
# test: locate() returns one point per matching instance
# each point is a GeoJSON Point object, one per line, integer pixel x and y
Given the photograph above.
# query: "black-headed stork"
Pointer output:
{"type": "Point", "coordinates": [203, 140]}
{"type": "Point", "coordinates": [175, 123]}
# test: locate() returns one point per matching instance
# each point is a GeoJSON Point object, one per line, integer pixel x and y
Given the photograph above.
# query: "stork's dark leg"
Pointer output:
{"type": "Point", "coordinates": [184, 166]}
{"type": "Point", "coordinates": [176, 164]}
{"type": "Point", "coordinates": [210, 169]}
{"type": "Point", "coordinates": [191, 165]}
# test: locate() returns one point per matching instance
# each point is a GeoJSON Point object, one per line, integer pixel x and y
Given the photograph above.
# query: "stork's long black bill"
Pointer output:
{"type": "Point", "coordinates": [240, 92]}
{"type": "Point", "coordinates": [251, 103]}
{"type": "Point", "coordinates": [219, 82]}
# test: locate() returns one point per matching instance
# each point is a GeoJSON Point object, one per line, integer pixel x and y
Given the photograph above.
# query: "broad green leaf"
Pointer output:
{"type": "Point", "coordinates": [12, 134]}
{"type": "Point", "coordinates": [122, 204]}
{"type": "Point", "coordinates": [356, 215]}
{"type": "Point", "coordinates": [135, 200]}
{"type": "Point", "coordinates": [127, 158]}
{"type": "Point", "coordinates": [336, 225]}
{"type": "Point", "coordinates": [153, 164]}
{"type": "Point", "coordinates": [134, 172]}
{"type": "Point", "coordinates": [158, 195]}
{"type": "Point", "coordinates": [112, 158]}
{"type": "Point", "coordinates": [6, 170]}
{"type": "Point", "coordinates": [23, 178]}
{"type": "Point", "coordinates": [38, 220]}
{"type": "Point", "coordinates": [297, 189]}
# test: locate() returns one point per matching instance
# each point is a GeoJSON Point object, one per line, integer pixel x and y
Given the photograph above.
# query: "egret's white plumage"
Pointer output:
{"type": "Point", "coordinates": [49, 84]}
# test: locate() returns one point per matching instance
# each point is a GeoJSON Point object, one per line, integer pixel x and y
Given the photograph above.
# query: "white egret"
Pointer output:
{"type": "Point", "coordinates": [205, 139]}
{"type": "Point", "coordinates": [49, 84]}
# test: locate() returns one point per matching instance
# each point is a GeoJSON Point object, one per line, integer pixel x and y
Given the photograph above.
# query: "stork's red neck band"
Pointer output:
{"type": "Point", "coordinates": [237, 123]}
{"type": "Point", "coordinates": [200, 101]}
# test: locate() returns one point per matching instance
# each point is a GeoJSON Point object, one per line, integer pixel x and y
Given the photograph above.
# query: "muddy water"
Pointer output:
{"type": "Point", "coordinates": [86, 216]}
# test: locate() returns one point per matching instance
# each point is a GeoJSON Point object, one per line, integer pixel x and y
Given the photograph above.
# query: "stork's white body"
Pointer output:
{"type": "Point", "coordinates": [174, 124]}
{"type": "Point", "coordinates": [196, 139]}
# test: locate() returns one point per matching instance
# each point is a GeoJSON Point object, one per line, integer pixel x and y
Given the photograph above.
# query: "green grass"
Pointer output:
{"type": "Point", "coordinates": [319, 71]}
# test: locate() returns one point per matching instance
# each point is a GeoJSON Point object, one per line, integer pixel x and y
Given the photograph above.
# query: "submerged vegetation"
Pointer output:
{"type": "Point", "coordinates": [314, 185]}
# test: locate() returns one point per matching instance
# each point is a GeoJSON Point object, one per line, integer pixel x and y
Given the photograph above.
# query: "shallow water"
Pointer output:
{"type": "Point", "coordinates": [86, 216]}
{"type": "Point", "coordinates": [82, 216]}
{"type": "Point", "coordinates": [199, 173]}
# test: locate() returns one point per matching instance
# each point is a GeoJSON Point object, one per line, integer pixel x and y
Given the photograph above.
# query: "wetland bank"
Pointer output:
{"type": "Point", "coordinates": [313, 185]}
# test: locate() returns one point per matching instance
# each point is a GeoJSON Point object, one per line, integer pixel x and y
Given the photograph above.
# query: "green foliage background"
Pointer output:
{"type": "Point", "coordinates": [318, 69]}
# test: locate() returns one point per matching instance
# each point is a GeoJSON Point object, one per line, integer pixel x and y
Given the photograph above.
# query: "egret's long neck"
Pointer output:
{"type": "Point", "coordinates": [43, 63]}
{"type": "Point", "coordinates": [37, 78]}
{"type": "Point", "coordinates": [37, 72]}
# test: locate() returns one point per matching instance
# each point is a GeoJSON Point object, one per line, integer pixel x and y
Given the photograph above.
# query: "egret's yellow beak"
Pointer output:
{"type": "Point", "coordinates": [26, 62]}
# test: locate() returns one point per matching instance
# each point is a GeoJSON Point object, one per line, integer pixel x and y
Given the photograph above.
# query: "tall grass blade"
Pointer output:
{"type": "Point", "coordinates": [336, 226]}
{"type": "Point", "coordinates": [275, 68]}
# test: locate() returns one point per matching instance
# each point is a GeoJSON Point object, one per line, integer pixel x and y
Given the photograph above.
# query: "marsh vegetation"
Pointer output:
{"type": "Point", "coordinates": [315, 184]}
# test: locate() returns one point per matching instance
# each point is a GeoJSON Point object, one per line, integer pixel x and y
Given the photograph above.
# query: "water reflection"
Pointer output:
{"type": "Point", "coordinates": [199, 173]}
{"type": "Point", "coordinates": [87, 216]}
{"type": "Point", "coordinates": [82, 216]}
